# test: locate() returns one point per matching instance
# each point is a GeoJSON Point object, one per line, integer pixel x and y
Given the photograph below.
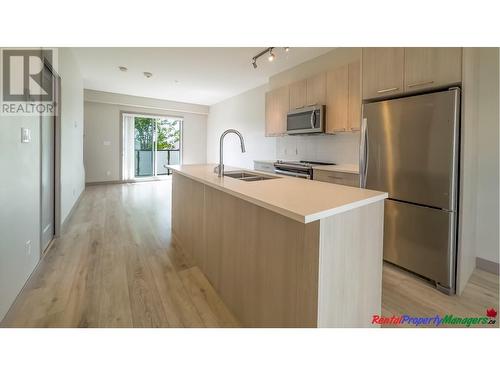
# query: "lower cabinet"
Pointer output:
{"type": "Point", "coordinates": [341, 178]}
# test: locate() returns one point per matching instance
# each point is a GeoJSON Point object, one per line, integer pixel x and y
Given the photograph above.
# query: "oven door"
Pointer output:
{"type": "Point", "coordinates": [306, 120]}
{"type": "Point", "coordinates": [303, 175]}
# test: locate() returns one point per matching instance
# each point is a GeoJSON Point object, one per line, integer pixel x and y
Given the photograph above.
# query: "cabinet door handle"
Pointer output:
{"type": "Point", "coordinates": [387, 90]}
{"type": "Point", "coordinates": [420, 83]}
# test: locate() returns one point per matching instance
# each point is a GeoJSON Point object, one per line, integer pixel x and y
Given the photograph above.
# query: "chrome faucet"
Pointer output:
{"type": "Point", "coordinates": [220, 168]}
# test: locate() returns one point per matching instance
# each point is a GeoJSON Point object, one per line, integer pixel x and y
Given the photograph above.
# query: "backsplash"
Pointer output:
{"type": "Point", "coordinates": [338, 148]}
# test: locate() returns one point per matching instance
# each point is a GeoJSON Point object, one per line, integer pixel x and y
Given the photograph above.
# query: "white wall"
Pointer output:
{"type": "Point", "coordinates": [338, 148]}
{"type": "Point", "coordinates": [19, 205]}
{"type": "Point", "coordinates": [20, 181]}
{"type": "Point", "coordinates": [103, 122]}
{"type": "Point", "coordinates": [72, 169]}
{"type": "Point", "coordinates": [245, 113]}
{"type": "Point", "coordinates": [487, 224]}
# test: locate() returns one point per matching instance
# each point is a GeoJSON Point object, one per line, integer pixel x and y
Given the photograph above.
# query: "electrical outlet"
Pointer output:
{"type": "Point", "coordinates": [28, 247]}
{"type": "Point", "coordinates": [286, 151]}
{"type": "Point", "coordinates": [108, 173]}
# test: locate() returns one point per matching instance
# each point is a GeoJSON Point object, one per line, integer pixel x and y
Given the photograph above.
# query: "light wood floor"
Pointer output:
{"type": "Point", "coordinates": [115, 266]}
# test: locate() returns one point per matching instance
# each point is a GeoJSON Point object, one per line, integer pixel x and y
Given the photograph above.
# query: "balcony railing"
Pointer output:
{"type": "Point", "coordinates": [144, 162]}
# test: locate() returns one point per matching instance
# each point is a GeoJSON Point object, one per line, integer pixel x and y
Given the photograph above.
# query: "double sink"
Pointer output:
{"type": "Point", "coordinates": [247, 176]}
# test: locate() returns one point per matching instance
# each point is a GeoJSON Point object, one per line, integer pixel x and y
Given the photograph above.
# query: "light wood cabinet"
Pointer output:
{"type": "Point", "coordinates": [354, 110]}
{"type": "Point", "coordinates": [432, 67]}
{"type": "Point", "coordinates": [383, 72]}
{"type": "Point", "coordinates": [341, 178]}
{"type": "Point", "coordinates": [298, 96]}
{"type": "Point", "coordinates": [343, 98]}
{"type": "Point", "coordinates": [316, 90]}
{"type": "Point", "coordinates": [308, 92]}
{"type": "Point", "coordinates": [277, 106]}
{"type": "Point", "coordinates": [337, 99]}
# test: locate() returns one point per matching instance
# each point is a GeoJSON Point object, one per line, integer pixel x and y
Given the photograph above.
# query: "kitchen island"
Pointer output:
{"type": "Point", "coordinates": [283, 252]}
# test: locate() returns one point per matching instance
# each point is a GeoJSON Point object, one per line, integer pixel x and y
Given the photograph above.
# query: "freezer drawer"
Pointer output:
{"type": "Point", "coordinates": [421, 240]}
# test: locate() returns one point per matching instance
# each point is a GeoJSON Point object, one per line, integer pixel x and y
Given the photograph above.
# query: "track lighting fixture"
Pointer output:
{"type": "Point", "coordinates": [271, 57]}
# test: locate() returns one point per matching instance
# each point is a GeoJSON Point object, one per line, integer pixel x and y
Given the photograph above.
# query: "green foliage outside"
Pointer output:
{"type": "Point", "coordinates": [168, 133]}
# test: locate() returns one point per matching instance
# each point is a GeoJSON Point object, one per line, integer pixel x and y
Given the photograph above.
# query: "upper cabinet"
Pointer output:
{"type": "Point", "coordinates": [316, 90]}
{"type": "Point", "coordinates": [354, 105]}
{"type": "Point", "coordinates": [432, 67]}
{"type": "Point", "coordinates": [390, 71]}
{"type": "Point", "coordinates": [383, 71]}
{"type": "Point", "coordinates": [343, 98]}
{"type": "Point", "coordinates": [298, 94]}
{"type": "Point", "coordinates": [308, 92]}
{"type": "Point", "coordinates": [277, 106]}
{"type": "Point", "coordinates": [337, 99]}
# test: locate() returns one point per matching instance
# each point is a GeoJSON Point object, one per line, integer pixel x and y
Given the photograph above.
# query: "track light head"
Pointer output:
{"type": "Point", "coordinates": [271, 55]}
{"type": "Point", "coordinates": [254, 63]}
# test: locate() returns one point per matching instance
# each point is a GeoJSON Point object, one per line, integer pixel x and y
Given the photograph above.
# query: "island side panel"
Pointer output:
{"type": "Point", "coordinates": [263, 265]}
{"type": "Point", "coordinates": [187, 217]}
{"type": "Point", "coordinates": [350, 267]}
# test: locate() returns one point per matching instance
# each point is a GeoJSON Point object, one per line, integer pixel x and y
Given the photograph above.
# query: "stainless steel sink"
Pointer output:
{"type": "Point", "coordinates": [246, 176]}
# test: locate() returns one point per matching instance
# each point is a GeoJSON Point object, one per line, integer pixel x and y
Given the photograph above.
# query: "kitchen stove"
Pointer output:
{"type": "Point", "coordinates": [300, 169]}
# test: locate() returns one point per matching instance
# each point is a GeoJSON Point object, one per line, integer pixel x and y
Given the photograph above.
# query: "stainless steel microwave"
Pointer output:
{"type": "Point", "coordinates": [306, 120]}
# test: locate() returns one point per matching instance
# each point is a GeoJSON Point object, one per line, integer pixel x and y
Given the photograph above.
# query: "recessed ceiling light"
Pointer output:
{"type": "Point", "coordinates": [123, 68]}
{"type": "Point", "coordinates": [176, 81]}
{"type": "Point", "coordinates": [148, 74]}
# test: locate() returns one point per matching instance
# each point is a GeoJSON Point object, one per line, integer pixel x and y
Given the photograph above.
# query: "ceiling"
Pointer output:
{"type": "Point", "coordinates": [193, 75]}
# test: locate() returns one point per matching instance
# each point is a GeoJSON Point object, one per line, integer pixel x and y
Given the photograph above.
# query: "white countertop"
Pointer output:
{"type": "Point", "coordinates": [302, 200]}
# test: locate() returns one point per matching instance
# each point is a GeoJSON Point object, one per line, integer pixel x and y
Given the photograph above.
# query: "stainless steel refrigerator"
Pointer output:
{"type": "Point", "coordinates": [410, 149]}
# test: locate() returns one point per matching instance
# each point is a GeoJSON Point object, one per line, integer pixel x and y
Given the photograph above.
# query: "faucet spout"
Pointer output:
{"type": "Point", "coordinates": [219, 169]}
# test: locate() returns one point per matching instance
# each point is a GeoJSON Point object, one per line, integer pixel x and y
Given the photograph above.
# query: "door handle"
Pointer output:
{"type": "Point", "coordinates": [313, 119]}
{"type": "Point", "coordinates": [420, 83]}
{"type": "Point", "coordinates": [388, 90]}
{"type": "Point", "coordinates": [363, 153]}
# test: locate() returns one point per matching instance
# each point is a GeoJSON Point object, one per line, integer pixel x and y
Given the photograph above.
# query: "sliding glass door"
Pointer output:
{"type": "Point", "coordinates": [144, 128]}
{"type": "Point", "coordinates": [168, 139]}
{"type": "Point", "coordinates": [155, 143]}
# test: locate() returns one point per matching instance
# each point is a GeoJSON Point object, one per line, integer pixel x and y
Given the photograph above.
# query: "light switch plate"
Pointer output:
{"type": "Point", "coordinates": [25, 135]}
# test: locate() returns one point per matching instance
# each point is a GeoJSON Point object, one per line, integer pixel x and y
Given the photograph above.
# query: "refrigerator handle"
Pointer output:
{"type": "Point", "coordinates": [363, 153]}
